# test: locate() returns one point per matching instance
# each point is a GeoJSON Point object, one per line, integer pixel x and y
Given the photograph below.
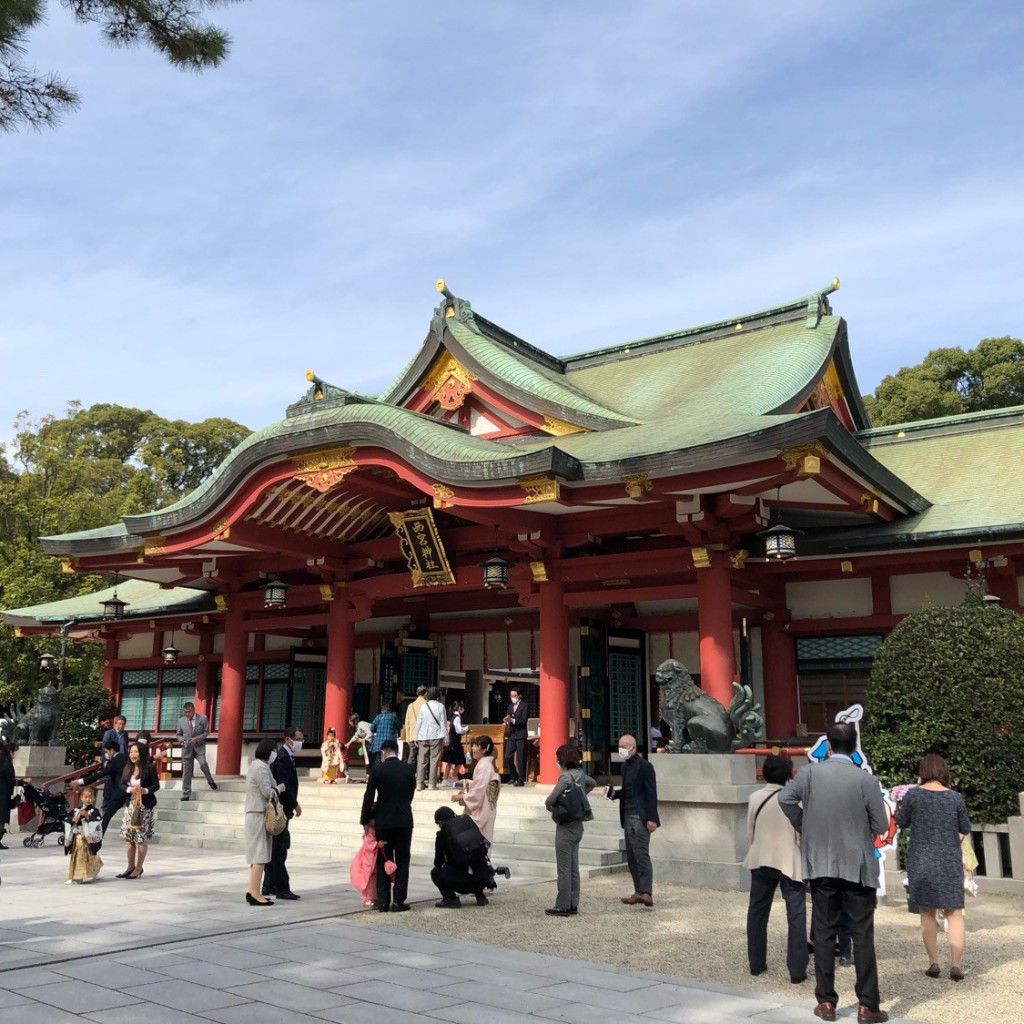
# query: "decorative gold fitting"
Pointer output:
{"type": "Point", "coordinates": [846, 566]}
{"type": "Point", "coordinates": [222, 529]}
{"type": "Point", "coordinates": [326, 592]}
{"type": "Point", "coordinates": [869, 502]}
{"type": "Point", "coordinates": [442, 495]}
{"type": "Point", "coordinates": [559, 428]}
{"type": "Point", "coordinates": [637, 485]}
{"type": "Point", "coordinates": [324, 469]}
{"type": "Point", "coordinates": [539, 571]}
{"type": "Point", "coordinates": [618, 581]}
{"type": "Point", "coordinates": [976, 555]}
{"type": "Point", "coordinates": [701, 558]}
{"type": "Point", "coordinates": [448, 382]}
{"type": "Point", "coordinates": [69, 564]}
{"type": "Point", "coordinates": [220, 602]}
{"type": "Point", "coordinates": [539, 488]}
{"type": "Point", "coordinates": [805, 458]}
{"type": "Point", "coordinates": [769, 616]}
{"type": "Point", "coordinates": [737, 559]}
{"type": "Point", "coordinates": [153, 545]}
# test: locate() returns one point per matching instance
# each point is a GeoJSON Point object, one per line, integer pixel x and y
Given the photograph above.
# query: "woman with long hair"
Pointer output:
{"type": "Point", "coordinates": [260, 787]}
{"type": "Point", "coordinates": [480, 795]}
{"type": "Point", "coordinates": [139, 819]}
{"type": "Point", "coordinates": [937, 818]}
{"type": "Point", "coordinates": [453, 757]}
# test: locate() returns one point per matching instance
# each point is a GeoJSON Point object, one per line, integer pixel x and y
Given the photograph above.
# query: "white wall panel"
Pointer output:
{"type": "Point", "coordinates": [829, 599]}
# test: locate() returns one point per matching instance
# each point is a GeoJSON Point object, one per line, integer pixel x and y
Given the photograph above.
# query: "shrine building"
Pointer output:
{"type": "Point", "coordinates": [504, 517]}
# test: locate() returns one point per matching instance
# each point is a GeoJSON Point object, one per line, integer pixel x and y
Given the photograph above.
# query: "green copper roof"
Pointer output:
{"type": "Point", "coordinates": [969, 467]}
{"type": "Point", "coordinates": [143, 599]}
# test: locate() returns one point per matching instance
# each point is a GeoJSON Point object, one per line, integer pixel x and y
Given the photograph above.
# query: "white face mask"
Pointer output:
{"type": "Point", "coordinates": [273, 757]}
{"type": "Point", "coordinates": [296, 746]}
{"type": "Point", "coordinates": [624, 753]}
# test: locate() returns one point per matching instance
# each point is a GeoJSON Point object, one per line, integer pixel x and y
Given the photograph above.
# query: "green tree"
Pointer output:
{"type": "Point", "coordinates": [949, 381]}
{"type": "Point", "coordinates": [174, 28]}
{"type": "Point", "coordinates": [82, 708]}
{"type": "Point", "coordinates": [80, 471]}
{"type": "Point", "coordinates": [951, 681]}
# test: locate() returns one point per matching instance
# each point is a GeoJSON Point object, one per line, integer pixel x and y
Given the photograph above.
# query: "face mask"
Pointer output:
{"type": "Point", "coordinates": [624, 753]}
{"type": "Point", "coordinates": [296, 746]}
{"type": "Point", "coordinates": [273, 757]}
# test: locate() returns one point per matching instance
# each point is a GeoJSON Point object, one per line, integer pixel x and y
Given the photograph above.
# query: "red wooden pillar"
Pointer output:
{"type": "Point", "coordinates": [554, 676]}
{"type": "Point", "coordinates": [714, 621]}
{"type": "Point", "coordinates": [781, 699]}
{"type": "Point", "coordinates": [110, 675]}
{"type": "Point", "coordinates": [232, 693]}
{"type": "Point", "coordinates": [341, 652]}
{"type": "Point", "coordinates": [206, 677]}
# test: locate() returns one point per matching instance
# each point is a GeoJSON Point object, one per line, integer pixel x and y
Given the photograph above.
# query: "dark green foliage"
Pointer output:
{"type": "Point", "coordinates": [77, 472]}
{"type": "Point", "coordinates": [173, 28]}
{"type": "Point", "coordinates": [949, 381]}
{"type": "Point", "coordinates": [951, 681]}
{"type": "Point", "coordinates": [82, 710]}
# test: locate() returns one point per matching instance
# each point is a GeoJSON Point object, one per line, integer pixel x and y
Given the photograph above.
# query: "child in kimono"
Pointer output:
{"type": "Point", "coordinates": [332, 761]}
{"type": "Point", "coordinates": [82, 839]}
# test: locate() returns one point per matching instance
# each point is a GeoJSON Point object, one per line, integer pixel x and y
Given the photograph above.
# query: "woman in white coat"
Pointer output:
{"type": "Point", "coordinates": [259, 788]}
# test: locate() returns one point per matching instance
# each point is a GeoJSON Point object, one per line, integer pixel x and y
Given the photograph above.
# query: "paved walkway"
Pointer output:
{"type": "Point", "coordinates": [180, 945]}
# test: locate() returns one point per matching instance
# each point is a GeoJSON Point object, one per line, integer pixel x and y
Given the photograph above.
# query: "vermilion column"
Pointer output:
{"type": "Point", "coordinates": [341, 651]}
{"type": "Point", "coordinates": [206, 677]}
{"type": "Point", "coordinates": [714, 621]}
{"type": "Point", "coordinates": [554, 676]}
{"type": "Point", "coordinates": [232, 694]}
{"type": "Point", "coordinates": [781, 703]}
{"type": "Point", "coordinates": [109, 672]}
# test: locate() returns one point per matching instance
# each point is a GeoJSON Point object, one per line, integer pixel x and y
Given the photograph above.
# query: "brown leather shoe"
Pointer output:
{"type": "Point", "coordinates": [645, 899]}
{"type": "Point", "coordinates": [631, 901]}
{"type": "Point", "coordinates": [825, 1011]}
{"type": "Point", "coordinates": [869, 1016]}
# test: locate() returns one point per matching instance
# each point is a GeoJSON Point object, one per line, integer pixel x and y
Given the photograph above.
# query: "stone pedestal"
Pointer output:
{"type": "Point", "coordinates": [702, 802]}
{"type": "Point", "coordinates": [40, 764]}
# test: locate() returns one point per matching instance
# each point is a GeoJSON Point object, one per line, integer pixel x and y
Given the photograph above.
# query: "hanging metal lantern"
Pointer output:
{"type": "Point", "coordinates": [275, 593]}
{"type": "Point", "coordinates": [170, 655]}
{"type": "Point", "coordinates": [47, 661]}
{"type": "Point", "coordinates": [113, 607]}
{"type": "Point", "coordinates": [780, 542]}
{"type": "Point", "coordinates": [495, 573]}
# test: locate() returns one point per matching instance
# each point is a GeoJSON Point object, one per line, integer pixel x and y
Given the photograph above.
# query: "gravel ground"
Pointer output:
{"type": "Point", "coordinates": [700, 934]}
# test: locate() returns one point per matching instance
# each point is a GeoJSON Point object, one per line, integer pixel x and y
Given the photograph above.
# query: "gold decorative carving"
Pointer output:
{"type": "Point", "coordinates": [222, 529]}
{"type": "Point", "coordinates": [701, 558]}
{"type": "Point", "coordinates": [618, 581]}
{"type": "Point", "coordinates": [220, 602]}
{"type": "Point", "coordinates": [69, 564]}
{"type": "Point", "coordinates": [153, 545]}
{"type": "Point", "coordinates": [805, 457]}
{"type": "Point", "coordinates": [539, 571]}
{"type": "Point", "coordinates": [737, 559]}
{"type": "Point", "coordinates": [442, 496]}
{"type": "Point", "coordinates": [421, 544]}
{"type": "Point", "coordinates": [539, 488]}
{"type": "Point", "coordinates": [637, 485]}
{"type": "Point", "coordinates": [846, 566]}
{"type": "Point", "coordinates": [326, 592]}
{"type": "Point", "coordinates": [869, 502]}
{"type": "Point", "coordinates": [553, 425]}
{"type": "Point", "coordinates": [448, 382]}
{"type": "Point", "coordinates": [18, 634]}
{"type": "Point", "coordinates": [324, 469]}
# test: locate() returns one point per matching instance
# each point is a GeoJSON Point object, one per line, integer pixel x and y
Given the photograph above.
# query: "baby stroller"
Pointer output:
{"type": "Point", "coordinates": [53, 809]}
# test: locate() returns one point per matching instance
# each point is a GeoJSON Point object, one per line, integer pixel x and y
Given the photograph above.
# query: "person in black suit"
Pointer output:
{"type": "Point", "coordinates": [638, 815]}
{"type": "Point", "coordinates": [515, 740]}
{"type": "Point", "coordinates": [110, 773]}
{"type": "Point", "coordinates": [118, 733]}
{"type": "Point", "coordinates": [391, 784]}
{"type": "Point", "coordinates": [275, 875]}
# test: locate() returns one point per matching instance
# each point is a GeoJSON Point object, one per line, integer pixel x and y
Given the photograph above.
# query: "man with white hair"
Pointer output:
{"type": "Point", "coordinates": [638, 815]}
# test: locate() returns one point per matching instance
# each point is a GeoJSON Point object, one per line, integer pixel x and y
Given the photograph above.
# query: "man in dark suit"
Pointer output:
{"type": "Point", "coordinates": [111, 773]}
{"type": "Point", "coordinates": [118, 733]}
{"type": "Point", "coordinates": [515, 721]}
{"type": "Point", "coordinates": [391, 784]}
{"type": "Point", "coordinates": [638, 816]}
{"type": "Point", "coordinates": [275, 875]}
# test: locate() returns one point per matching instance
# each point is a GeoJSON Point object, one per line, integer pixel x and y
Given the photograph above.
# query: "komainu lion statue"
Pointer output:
{"type": "Point", "coordinates": [38, 725]}
{"type": "Point", "coordinates": [699, 724]}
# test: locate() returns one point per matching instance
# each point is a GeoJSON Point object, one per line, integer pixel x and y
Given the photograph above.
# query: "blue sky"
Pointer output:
{"type": "Point", "coordinates": [583, 172]}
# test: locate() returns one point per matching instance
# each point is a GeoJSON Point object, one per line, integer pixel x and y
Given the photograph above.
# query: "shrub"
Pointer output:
{"type": "Point", "coordinates": [950, 681]}
{"type": "Point", "coordinates": [82, 707]}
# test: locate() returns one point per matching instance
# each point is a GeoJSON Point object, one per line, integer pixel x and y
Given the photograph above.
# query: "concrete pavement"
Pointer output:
{"type": "Point", "coordinates": [180, 945]}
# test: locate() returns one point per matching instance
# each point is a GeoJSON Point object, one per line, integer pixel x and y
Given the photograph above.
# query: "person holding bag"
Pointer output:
{"type": "Point", "coordinates": [83, 836]}
{"type": "Point", "coordinates": [260, 789]}
{"type": "Point", "coordinates": [569, 808]}
{"type": "Point", "coordinates": [139, 819]}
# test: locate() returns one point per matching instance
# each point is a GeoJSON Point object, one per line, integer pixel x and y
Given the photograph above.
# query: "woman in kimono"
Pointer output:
{"type": "Point", "coordinates": [480, 794]}
{"type": "Point", "coordinates": [82, 839]}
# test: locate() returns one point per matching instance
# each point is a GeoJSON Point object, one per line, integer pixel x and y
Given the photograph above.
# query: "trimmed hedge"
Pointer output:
{"type": "Point", "coordinates": [950, 681]}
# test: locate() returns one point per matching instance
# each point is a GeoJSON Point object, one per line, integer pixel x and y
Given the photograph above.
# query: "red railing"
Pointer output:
{"type": "Point", "coordinates": [159, 750]}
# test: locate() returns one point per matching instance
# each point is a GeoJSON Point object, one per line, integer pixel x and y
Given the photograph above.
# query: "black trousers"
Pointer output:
{"type": "Point", "coordinates": [397, 847]}
{"type": "Point", "coordinates": [275, 874]}
{"type": "Point", "coordinates": [452, 879]}
{"type": "Point", "coordinates": [763, 883]}
{"type": "Point", "coordinates": [831, 897]}
{"type": "Point", "coordinates": [515, 758]}
{"type": "Point", "coordinates": [110, 808]}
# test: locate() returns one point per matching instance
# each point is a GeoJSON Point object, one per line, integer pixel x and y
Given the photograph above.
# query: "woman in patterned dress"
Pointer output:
{"type": "Point", "coordinates": [139, 819]}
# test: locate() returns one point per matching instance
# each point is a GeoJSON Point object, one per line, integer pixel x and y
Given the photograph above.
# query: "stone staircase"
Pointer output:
{"type": "Point", "coordinates": [524, 835]}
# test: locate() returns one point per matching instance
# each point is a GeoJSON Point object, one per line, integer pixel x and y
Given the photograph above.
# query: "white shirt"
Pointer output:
{"type": "Point", "coordinates": [430, 724]}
